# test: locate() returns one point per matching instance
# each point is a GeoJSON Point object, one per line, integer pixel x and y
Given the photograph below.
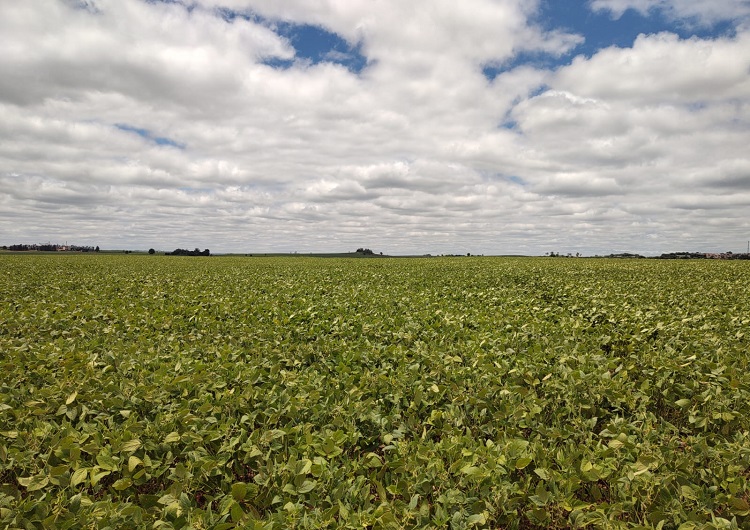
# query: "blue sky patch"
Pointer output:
{"type": "Point", "coordinates": [538, 60]}
{"type": "Point", "coordinates": [85, 5]}
{"type": "Point", "coordinates": [197, 191]}
{"type": "Point", "coordinates": [186, 4]}
{"type": "Point", "coordinates": [600, 31]}
{"type": "Point", "coordinates": [312, 44]}
{"type": "Point", "coordinates": [148, 135]}
{"type": "Point", "coordinates": [509, 124]}
{"type": "Point", "coordinates": [500, 177]}
{"type": "Point", "coordinates": [317, 45]}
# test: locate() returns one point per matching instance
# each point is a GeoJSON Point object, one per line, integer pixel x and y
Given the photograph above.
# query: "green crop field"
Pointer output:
{"type": "Point", "coordinates": [170, 392]}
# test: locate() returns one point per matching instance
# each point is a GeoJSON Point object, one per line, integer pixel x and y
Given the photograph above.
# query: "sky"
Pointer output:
{"type": "Point", "coordinates": [407, 127]}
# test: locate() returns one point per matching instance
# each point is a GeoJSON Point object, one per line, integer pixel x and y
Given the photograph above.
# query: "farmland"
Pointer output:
{"type": "Point", "coordinates": [170, 392]}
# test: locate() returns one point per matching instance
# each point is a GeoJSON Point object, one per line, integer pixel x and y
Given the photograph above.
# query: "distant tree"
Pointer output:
{"type": "Point", "coordinates": [185, 252]}
{"type": "Point", "coordinates": [96, 249]}
{"type": "Point", "coordinates": [151, 251]}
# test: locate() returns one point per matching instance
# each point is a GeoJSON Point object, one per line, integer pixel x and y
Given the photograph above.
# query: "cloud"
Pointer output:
{"type": "Point", "coordinates": [476, 29]}
{"type": "Point", "coordinates": [660, 126]}
{"type": "Point", "coordinates": [665, 68]}
{"type": "Point", "coordinates": [149, 124]}
{"type": "Point", "coordinates": [697, 11]}
{"type": "Point", "coordinates": [76, 50]}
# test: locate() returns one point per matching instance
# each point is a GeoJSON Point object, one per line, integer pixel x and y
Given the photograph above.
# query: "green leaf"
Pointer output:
{"type": "Point", "coordinates": [74, 504]}
{"type": "Point", "coordinates": [131, 446]}
{"type": "Point", "coordinates": [134, 462]}
{"type": "Point", "coordinates": [471, 470]}
{"type": "Point", "coordinates": [477, 519]}
{"type": "Point", "coordinates": [414, 501]}
{"type": "Point", "coordinates": [167, 499]}
{"type": "Point", "coordinates": [236, 512]}
{"type": "Point", "coordinates": [71, 398]}
{"type": "Point", "coordinates": [682, 402]}
{"type": "Point", "coordinates": [689, 493]}
{"type": "Point", "coordinates": [106, 461]}
{"type": "Point", "coordinates": [381, 491]}
{"type": "Point", "coordinates": [79, 475]}
{"type": "Point", "coordinates": [173, 436]}
{"type": "Point", "coordinates": [239, 490]}
{"type": "Point", "coordinates": [303, 467]}
{"type": "Point", "coordinates": [184, 502]}
{"type": "Point", "coordinates": [173, 510]}
{"type": "Point", "coordinates": [122, 484]}
{"type": "Point", "coordinates": [740, 506]}
{"type": "Point", "coordinates": [307, 486]}
{"type": "Point", "coordinates": [98, 476]}
{"type": "Point", "coordinates": [521, 463]}
{"type": "Point", "coordinates": [34, 483]}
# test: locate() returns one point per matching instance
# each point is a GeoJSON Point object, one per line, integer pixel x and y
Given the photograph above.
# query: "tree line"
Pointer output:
{"type": "Point", "coordinates": [50, 247]}
{"type": "Point", "coordinates": [185, 252]}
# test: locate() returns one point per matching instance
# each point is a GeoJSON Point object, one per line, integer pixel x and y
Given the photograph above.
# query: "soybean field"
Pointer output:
{"type": "Point", "coordinates": [272, 393]}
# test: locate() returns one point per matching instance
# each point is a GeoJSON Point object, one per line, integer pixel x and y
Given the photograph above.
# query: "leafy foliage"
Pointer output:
{"type": "Point", "coordinates": [140, 391]}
